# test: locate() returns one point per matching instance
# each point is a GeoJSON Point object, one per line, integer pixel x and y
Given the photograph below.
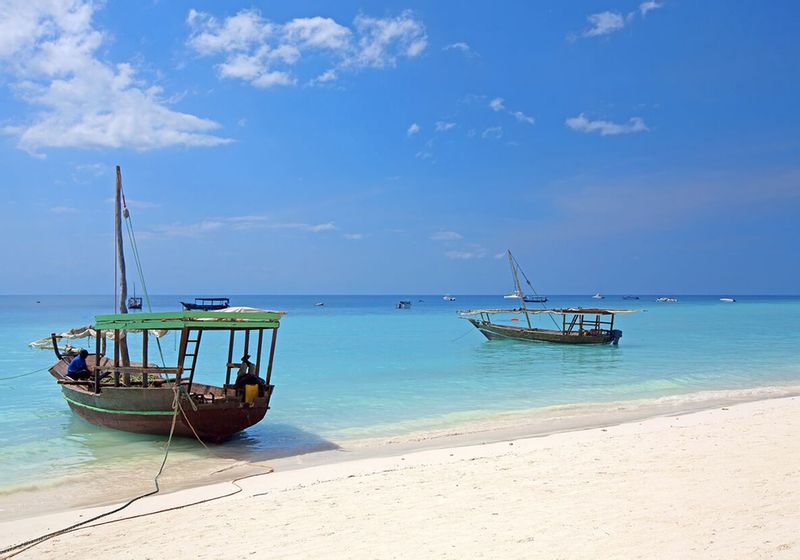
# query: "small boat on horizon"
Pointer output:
{"type": "Point", "coordinates": [448, 298]}
{"type": "Point", "coordinates": [403, 304]}
{"type": "Point", "coordinates": [207, 304]}
{"type": "Point", "coordinates": [598, 295]}
{"type": "Point", "coordinates": [728, 299]}
{"type": "Point", "coordinates": [535, 299]}
{"type": "Point", "coordinates": [319, 304]}
{"type": "Point", "coordinates": [133, 301]}
{"type": "Point", "coordinates": [630, 297]}
{"type": "Point", "coordinates": [667, 300]}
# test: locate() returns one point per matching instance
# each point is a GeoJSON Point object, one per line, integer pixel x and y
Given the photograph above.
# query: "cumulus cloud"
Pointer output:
{"type": "Point", "coordinates": [461, 47]}
{"type": "Point", "coordinates": [496, 104]}
{"type": "Point", "coordinates": [264, 53]}
{"type": "Point", "coordinates": [442, 126]}
{"type": "Point", "coordinates": [649, 6]}
{"type": "Point", "coordinates": [465, 255]}
{"type": "Point", "coordinates": [606, 128]}
{"type": "Point", "coordinates": [413, 129]}
{"type": "Point", "coordinates": [48, 51]}
{"type": "Point", "coordinates": [523, 118]}
{"type": "Point", "coordinates": [446, 236]}
{"type": "Point", "coordinates": [353, 236]}
{"type": "Point", "coordinates": [604, 23]}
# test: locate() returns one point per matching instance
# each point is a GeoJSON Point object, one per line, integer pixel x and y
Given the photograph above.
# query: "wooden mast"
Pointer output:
{"type": "Point", "coordinates": [519, 288]}
{"type": "Point", "coordinates": [123, 284]}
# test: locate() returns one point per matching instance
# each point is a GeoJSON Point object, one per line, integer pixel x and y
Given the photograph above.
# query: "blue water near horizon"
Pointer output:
{"type": "Point", "coordinates": [359, 368]}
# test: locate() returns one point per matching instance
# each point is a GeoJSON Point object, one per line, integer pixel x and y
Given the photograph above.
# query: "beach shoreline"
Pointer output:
{"type": "Point", "coordinates": [717, 483]}
{"type": "Point", "coordinates": [84, 491]}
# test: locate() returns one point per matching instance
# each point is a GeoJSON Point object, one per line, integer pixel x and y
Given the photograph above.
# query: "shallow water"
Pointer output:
{"type": "Point", "coordinates": [359, 368]}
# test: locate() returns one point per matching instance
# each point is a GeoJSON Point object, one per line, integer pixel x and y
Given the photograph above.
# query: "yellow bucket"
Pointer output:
{"type": "Point", "coordinates": [250, 393]}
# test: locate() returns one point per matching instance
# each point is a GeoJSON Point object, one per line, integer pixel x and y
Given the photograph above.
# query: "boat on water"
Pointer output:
{"type": "Point", "coordinates": [142, 397]}
{"type": "Point", "coordinates": [207, 304]}
{"type": "Point", "coordinates": [133, 301]}
{"type": "Point", "coordinates": [598, 295]}
{"type": "Point", "coordinates": [728, 299]}
{"type": "Point", "coordinates": [667, 299]}
{"type": "Point", "coordinates": [535, 299]}
{"type": "Point", "coordinates": [403, 304]}
{"type": "Point", "coordinates": [513, 295]}
{"type": "Point", "coordinates": [630, 297]}
{"type": "Point", "coordinates": [115, 392]}
{"type": "Point", "coordinates": [448, 298]}
{"type": "Point", "coordinates": [576, 326]}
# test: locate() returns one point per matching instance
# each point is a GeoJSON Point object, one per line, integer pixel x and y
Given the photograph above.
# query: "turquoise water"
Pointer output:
{"type": "Point", "coordinates": [358, 368]}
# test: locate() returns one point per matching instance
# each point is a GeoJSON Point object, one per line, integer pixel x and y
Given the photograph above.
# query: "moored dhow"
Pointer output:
{"type": "Point", "coordinates": [142, 397]}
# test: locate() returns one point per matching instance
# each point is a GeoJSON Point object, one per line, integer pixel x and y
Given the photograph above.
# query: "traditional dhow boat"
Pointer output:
{"type": "Point", "coordinates": [577, 325]}
{"type": "Point", "coordinates": [144, 397]}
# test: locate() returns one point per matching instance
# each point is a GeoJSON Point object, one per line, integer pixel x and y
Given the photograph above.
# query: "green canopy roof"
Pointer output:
{"type": "Point", "coordinates": [190, 319]}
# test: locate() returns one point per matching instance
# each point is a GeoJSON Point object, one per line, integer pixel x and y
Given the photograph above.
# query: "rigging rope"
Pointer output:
{"type": "Point", "coordinates": [559, 327]}
{"type": "Point", "coordinates": [24, 374]}
{"type": "Point", "coordinates": [135, 249]}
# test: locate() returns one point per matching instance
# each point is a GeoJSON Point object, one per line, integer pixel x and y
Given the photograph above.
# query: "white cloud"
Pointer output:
{"type": "Point", "coordinates": [461, 47]}
{"type": "Point", "coordinates": [235, 223]}
{"type": "Point", "coordinates": [48, 49]}
{"type": "Point", "coordinates": [465, 255]}
{"type": "Point", "coordinates": [446, 236]}
{"type": "Point", "coordinates": [442, 126]}
{"type": "Point", "coordinates": [413, 129]}
{"type": "Point", "coordinates": [63, 210]}
{"type": "Point", "coordinates": [523, 118]}
{"type": "Point", "coordinates": [604, 23]}
{"type": "Point", "coordinates": [354, 236]}
{"type": "Point", "coordinates": [264, 53]}
{"type": "Point", "coordinates": [649, 6]}
{"type": "Point", "coordinates": [500, 255]}
{"type": "Point", "coordinates": [492, 133]}
{"type": "Point", "coordinates": [606, 128]}
{"type": "Point", "coordinates": [496, 104]}
{"type": "Point", "coordinates": [423, 155]}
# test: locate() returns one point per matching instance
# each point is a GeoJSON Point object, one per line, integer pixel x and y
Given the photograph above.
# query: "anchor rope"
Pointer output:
{"type": "Point", "coordinates": [22, 547]}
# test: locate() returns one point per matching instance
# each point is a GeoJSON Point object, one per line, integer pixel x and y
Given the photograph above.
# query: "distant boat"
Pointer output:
{"type": "Point", "coordinates": [573, 325]}
{"type": "Point", "coordinates": [630, 297]}
{"type": "Point", "coordinates": [535, 299]}
{"type": "Point", "coordinates": [513, 295]}
{"type": "Point", "coordinates": [728, 299]}
{"type": "Point", "coordinates": [448, 298]}
{"type": "Point", "coordinates": [598, 295]}
{"type": "Point", "coordinates": [319, 304]}
{"type": "Point", "coordinates": [207, 304]}
{"type": "Point", "coordinates": [134, 302]}
{"type": "Point", "coordinates": [667, 299]}
{"type": "Point", "coordinates": [403, 304]}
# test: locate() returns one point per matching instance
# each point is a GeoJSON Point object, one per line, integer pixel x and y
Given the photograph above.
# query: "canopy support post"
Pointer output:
{"type": "Point", "coordinates": [271, 355]}
{"type": "Point", "coordinates": [258, 351]}
{"type": "Point", "coordinates": [144, 359]}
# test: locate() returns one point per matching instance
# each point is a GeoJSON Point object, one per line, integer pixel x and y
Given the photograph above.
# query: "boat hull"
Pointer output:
{"type": "Point", "coordinates": [496, 332]}
{"type": "Point", "coordinates": [148, 410]}
{"type": "Point", "coordinates": [199, 307]}
{"type": "Point", "coordinates": [213, 422]}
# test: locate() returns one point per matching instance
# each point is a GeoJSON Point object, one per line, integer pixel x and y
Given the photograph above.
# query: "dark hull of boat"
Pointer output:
{"type": "Point", "coordinates": [495, 332]}
{"type": "Point", "coordinates": [199, 307]}
{"type": "Point", "coordinates": [149, 410]}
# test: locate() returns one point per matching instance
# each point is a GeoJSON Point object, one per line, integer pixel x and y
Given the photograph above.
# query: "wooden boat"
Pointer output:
{"type": "Point", "coordinates": [207, 304]}
{"type": "Point", "coordinates": [577, 325]}
{"type": "Point", "coordinates": [140, 398]}
{"type": "Point", "coordinates": [133, 301]}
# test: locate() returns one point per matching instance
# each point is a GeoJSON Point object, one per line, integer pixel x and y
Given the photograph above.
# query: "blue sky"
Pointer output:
{"type": "Point", "coordinates": [401, 147]}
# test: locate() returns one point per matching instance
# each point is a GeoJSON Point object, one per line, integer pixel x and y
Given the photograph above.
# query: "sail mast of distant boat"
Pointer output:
{"type": "Point", "coordinates": [121, 340]}
{"type": "Point", "coordinates": [519, 288]}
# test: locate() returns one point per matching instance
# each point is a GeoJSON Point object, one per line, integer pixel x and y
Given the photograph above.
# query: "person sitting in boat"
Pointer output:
{"type": "Point", "coordinates": [77, 368]}
{"type": "Point", "coordinates": [248, 376]}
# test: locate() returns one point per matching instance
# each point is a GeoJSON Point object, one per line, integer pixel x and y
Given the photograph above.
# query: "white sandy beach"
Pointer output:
{"type": "Point", "coordinates": [720, 483]}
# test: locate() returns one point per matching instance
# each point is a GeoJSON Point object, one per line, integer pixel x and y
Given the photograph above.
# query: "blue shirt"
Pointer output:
{"type": "Point", "coordinates": [77, 364]}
